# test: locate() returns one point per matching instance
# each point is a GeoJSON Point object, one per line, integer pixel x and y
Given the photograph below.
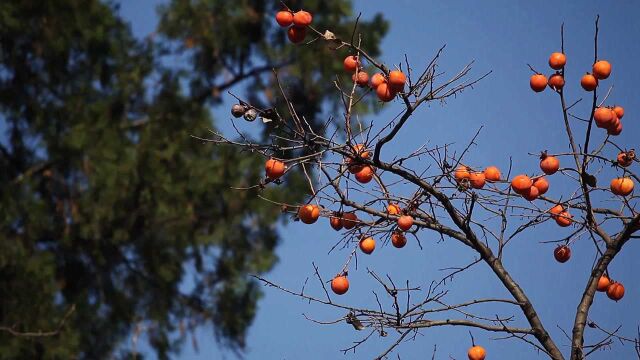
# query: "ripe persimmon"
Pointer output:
{"type": "Point", "coordinates": [284, 18]}
{"type": "Point", "coordinates": [615, 128]}
{"type": "Point", "coordinates": [476, 352]}
{"type": "Point", "coordinates": [557, 60]}
{"type": "Point", "coordinates": [541, 184]}
{"type": "Point", "coordinates": [549, 164]}
{"type": "Point", "coordinates": [274, 168]}
{"type": "Point", "coordinates": [461, 173]}
{"type": "Point", "coordinates": [556, 81]}
{"type": "Point", "coordinates": [367, 244]}
{"type": "Point", "coordinates": [397, 79]}
{"type": "Point", "coordinates": [603, 117]}
{"type": "Point", "coordinates": [615, 291]}
{"type": "Point", "coordinates": [603, 283]}
{"type": "Point", "coordinates": [601, 69]}
{"type": "Point", "coordinates": [365, 174]}
{"type": "Point", "coordinates": [398, 239]}
{"type": "Point", "coordinates": [622, 186]}
{"type": "Point", "coordinates": [361, 78]}
{"type": "Point", "coordinates": [476, 180]}
{"type": "Point", "coordinates": [340, 284]}
{"type": "Point", "coordinates": [302, 18]}
{"type": "Point", "coordinates": [564, 219]}
{"type": "Point", "coordinates": [538, 82]}
{"type": "Point", "coordinates": [589, 82]}
{"type": "Point", "coordinates": [309, 213]}
{"type": "Point", "coordinates": [393, 209]}
{"type": "Point", "coordinates": [296, 34]}
{"type": "Point", "coordinates": [619, 110]}
{"type": "Point", "coordinates": [562, 253]}
{"type": "Point", "coordinates": [405, 222]}
{"type": "Point", "coordinates": [556, 210]}
{"type": "Point", "coordinates": [351, 63]}
{"type": "Point", "coordinates": [377, 79]}
{"type": "Point", "coordinates": [349, 220]}
{"type": "Point", "coordinates": [385, 93]}
{"type": "Point", "coordinates": [531, 194]}
{"type": "Point", "coordinates": [492, 173]}
{"type": "Point", "coordinates": [336, 222]}
{"type": "Point", "coordinates": [521, 184]}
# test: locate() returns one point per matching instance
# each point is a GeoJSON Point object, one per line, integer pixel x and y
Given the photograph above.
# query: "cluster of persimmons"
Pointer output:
{"type": "Point", "coordinates": [386, 86]}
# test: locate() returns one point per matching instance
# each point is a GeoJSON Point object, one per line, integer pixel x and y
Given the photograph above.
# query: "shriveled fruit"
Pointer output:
{"type": "Point", "coordinates": [492, 173]}
{"type": "Point", "coordinates": [284, 18]}
{"type": "Point", "coordinates": [557, 60]}
{"type": "Point", "coordinates": [309, 213]}
{"type": "Point", "coordinates": [336, 222]}
{"type": "Point", "coordinates": [541, 184]}
{"type": "Point", "coordinates": [361, 78]}
{"type": "Point", "coordinates": [589, 82]}
{"type": "Point", "coordinates": [603, 283]}
{"type": "Point", "coordinates": [250, 114]}
{"type": "Point", "coordinates": [351, 63]}
{"type": "Point", "coordinates": [397, 79]}
{"type": "Point", "coordinates": [340, 285]}
{"type": "Point", "coordinates": [274, 168]}
{"type": "Point", "coordinates": [549, 164]}
{"type": "Point", "coordinates": [476, 352]}
{"type": "Point", "coordinates": [625, 158]}
{"type": "Point", "coordinates": [603, 117]}
{"type": "Point", "coordinates": [302, 18]}
{"type": "Point", "coordinates": [296, 34]}
{"type": "Point", "coordinates": [398, 239]}
{"type": "Point", "coordinates": [405, 222]}
{"type": "Point", "coordinates": [365, 174]}
{"type": "Point", "coordinates": [377, 79]}
{"type": "Point", "coordinates": [556, 81]}
{"type": "Point", "coordinates": [461, 173]}
{"type": "Point", "coordinates": [564, 219]}
{"type": "Point", "coordinates": [367, 244]}
{"type": "Point", "coordinates": [538, 82]}
{"type": "Point", "coordinates": [477, 180]}
{"type": "Point", "coordinates": [385, 93]}
{"type": "Point", "coordinates": [531, 194]}
{"type": "Point", "coordinates": [521, 184]}
{"type": "Point", "coordinates": [349, 220]}
{"type": "Point", "coordinates": [562, 253]}
{"type": "Point", "coordinates": [615, 291]}
{"type": "Point", "coordinates": [619, 110]}
{"type": "Point", "coordinates": [601, 69]}
{"type": "Point", "coordinates": [393, 209]}
{"type": "Point", "coordinates": [622, 186]}
{"type": "Point", "coordinates": [238, 110]}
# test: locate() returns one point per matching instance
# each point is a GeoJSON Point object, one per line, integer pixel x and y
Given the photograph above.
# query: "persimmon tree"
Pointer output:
{"type": "Point", "coordinates": [352, 172]}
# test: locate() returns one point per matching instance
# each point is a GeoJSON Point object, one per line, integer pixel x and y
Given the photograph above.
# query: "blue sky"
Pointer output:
{"type": "Point", "coordinates": [501, 36]}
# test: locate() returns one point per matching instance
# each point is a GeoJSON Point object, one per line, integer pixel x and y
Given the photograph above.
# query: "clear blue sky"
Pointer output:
{"type": "Point", "coordinates": [502, 36]}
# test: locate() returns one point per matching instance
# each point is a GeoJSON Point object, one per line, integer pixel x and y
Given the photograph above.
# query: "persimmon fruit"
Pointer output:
{"type": "Point", "coordinates": [296, 34]}
{"type": "Point", "coordinates": [622, 186]}
{"type": "Point", "coordinates": [309, 213]}
{"type": "Point", "coordinates": [541, 184]}
{"type": "Point", "coordinates": [562, 253]}
{"type": "Point", "coordinates": [284, 18]}
{"type": "Point", "coordinates": [538, 82]}
{"type": "Point", "coordinates": [603, 283]}
{"type": "Point", "coordinates": [385, 93]}
{"type": "Point", "coordinates": [557, 60]}
{"type": "Point", "coordinates": [476, 352]}
{"type": "Point", "coordinates": [564, 219]}
{"type": "Point", "coordinates": [556, 81]}
{"type": "Point", "coordinates": [365, 174]}
{"type": "Point", "coordinates": [351, 63]}
{"type": "Point", "coordinates": [492, 173]}
{"type": "Point", "coordinates": [549, 164]}
{"type": "Point", "coordinates": [521, 183]}
{"type": "Point", "coordinates": [589, 82]}
{"type": "Point", "coordinates": [367, 244]}
{"type": "Point", "coordinates": [340, 285]}
{"type": "Point", "coordinates": [477, 180]}
{"type": "Point", "coordinates": [398, 239]}
{"type": "Point", "coordinates": [302, 18]}
{"type": "Point", "coordinates": [601, 69]}
{"type": "Point", "coordinates": [397, 79]}
{"type": "Point", "coordinates": [405, 222]}
{"type": "Point", "coordinates": [615, 291]}
{"type": "Point", "coordinates": [349, 220]}
{"type": "Point", "coordinates": [274, 169]}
